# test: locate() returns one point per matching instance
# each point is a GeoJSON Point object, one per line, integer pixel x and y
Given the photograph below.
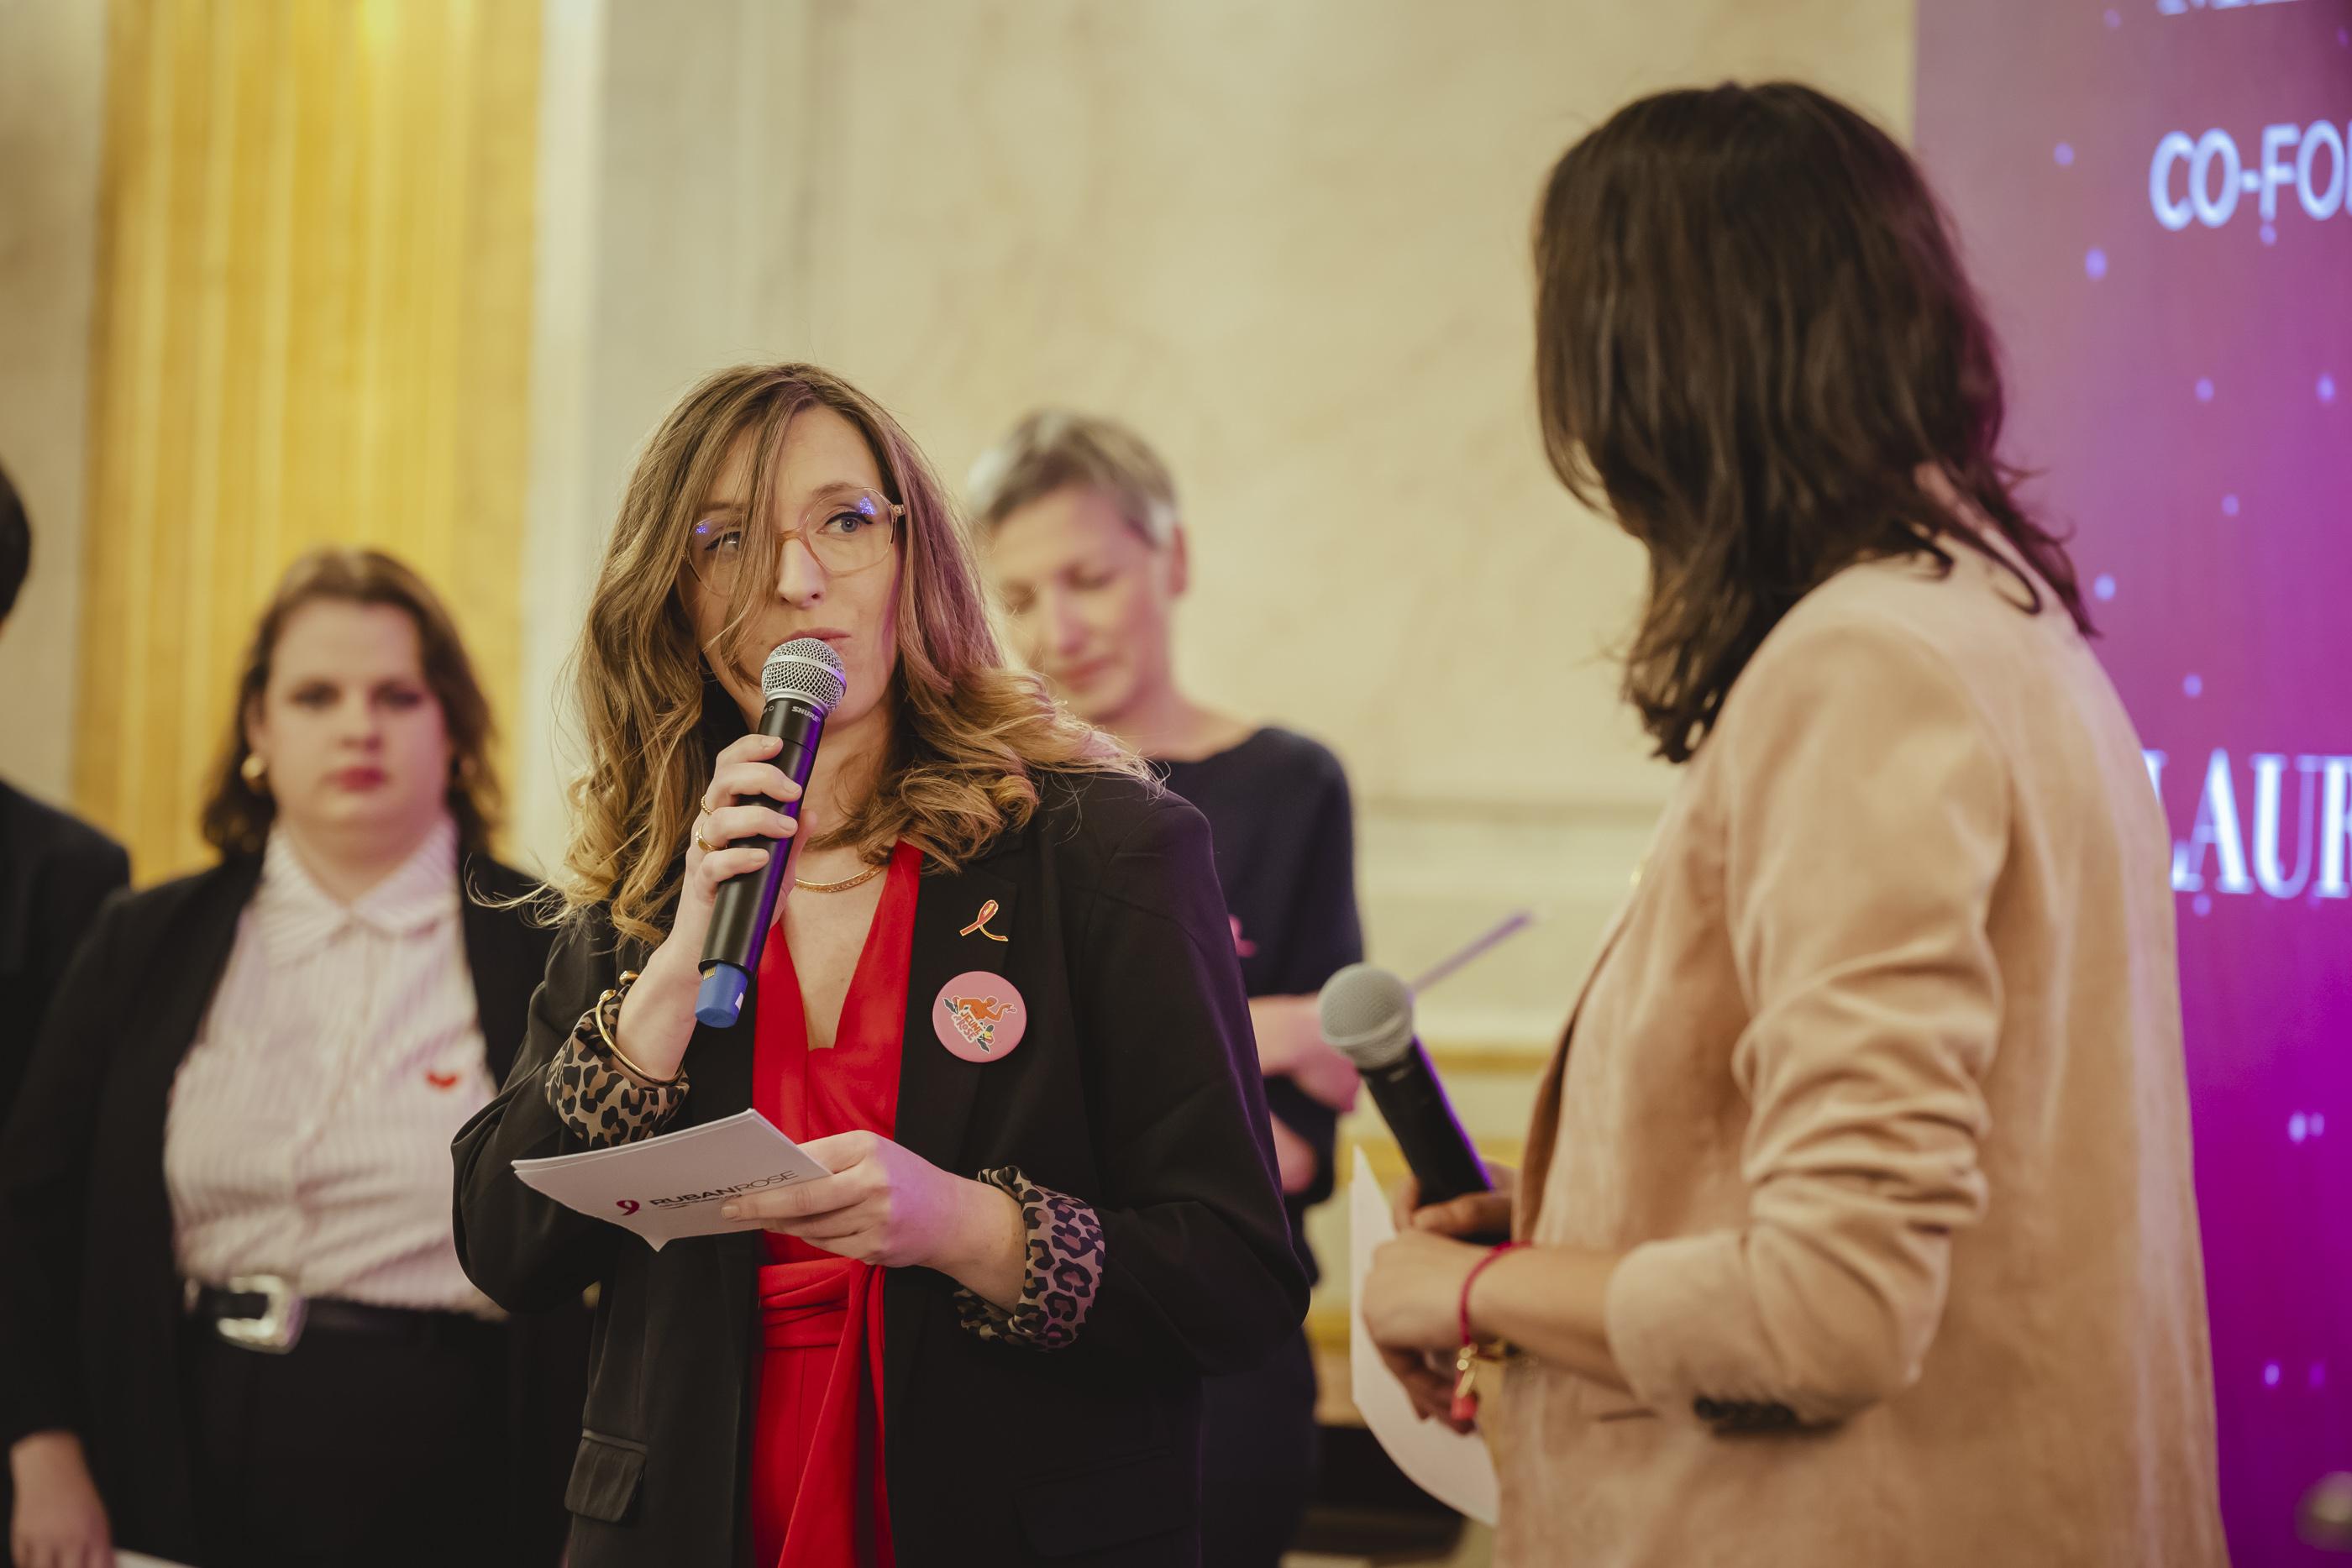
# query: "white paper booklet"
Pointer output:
{"type": "Point", "coordinates": [672, 1186]}
{"type": "Point", "coordinates": [1456, 1470]}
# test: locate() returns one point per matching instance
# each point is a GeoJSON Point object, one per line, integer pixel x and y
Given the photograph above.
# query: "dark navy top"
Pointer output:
{"type": "Point", "coordinates": [1285, 839]}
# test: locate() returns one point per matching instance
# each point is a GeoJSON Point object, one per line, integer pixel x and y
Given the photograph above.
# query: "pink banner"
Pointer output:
{"type": "Point", "coordinates": [2152, 197]}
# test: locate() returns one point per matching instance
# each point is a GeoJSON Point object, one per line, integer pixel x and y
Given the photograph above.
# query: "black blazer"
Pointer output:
{"type": "Point", "coordinates": [55, 870]}
{"type": "Point", "coordinates": [89, 1294]}
{"type": "Point", "coordinates": [1135, 1088]}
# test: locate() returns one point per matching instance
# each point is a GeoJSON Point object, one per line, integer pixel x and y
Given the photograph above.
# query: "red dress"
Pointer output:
{"type": "Point", "coordinates": [818, 1496]}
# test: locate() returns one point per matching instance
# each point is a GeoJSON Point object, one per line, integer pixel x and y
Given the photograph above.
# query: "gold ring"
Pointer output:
{"type": "Point", "coordinates": [708, 847]}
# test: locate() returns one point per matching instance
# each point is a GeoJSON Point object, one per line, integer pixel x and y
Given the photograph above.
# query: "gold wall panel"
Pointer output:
{"type": "Point", "coordinates": [312, 324]}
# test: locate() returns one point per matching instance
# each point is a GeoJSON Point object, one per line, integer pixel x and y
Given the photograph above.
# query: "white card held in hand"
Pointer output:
{"type": "Point", "coordinates": [1456, 1470]}
{"type": "Point", "coordinates": [673, 1186]}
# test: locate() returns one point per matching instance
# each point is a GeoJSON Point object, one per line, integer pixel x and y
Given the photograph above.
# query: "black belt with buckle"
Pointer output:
{"type": "Point", "coordinates": [263, 1313]}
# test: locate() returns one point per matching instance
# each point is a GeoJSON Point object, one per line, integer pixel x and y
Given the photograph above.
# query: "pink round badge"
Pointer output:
{"type": "Point", "coordinates": [979, 1017]}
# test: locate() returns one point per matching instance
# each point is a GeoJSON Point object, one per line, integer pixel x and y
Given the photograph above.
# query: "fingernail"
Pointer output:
{"type": "Point", "coordinates": [728, 1211]}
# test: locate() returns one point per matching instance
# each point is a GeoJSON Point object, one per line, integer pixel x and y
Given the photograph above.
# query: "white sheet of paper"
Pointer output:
{"type": "Point", "coordinates": [672, 1186]}
{"type": "Point", "coordinates": [1456, 1470]}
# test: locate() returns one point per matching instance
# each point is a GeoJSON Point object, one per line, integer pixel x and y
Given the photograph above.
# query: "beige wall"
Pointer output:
{"type": "Point", "coordinates": [670, 182]}
{"type": "Point", "coordinates": [1287, 242]}
{"type": "Point", "coordinates": [52, 76]}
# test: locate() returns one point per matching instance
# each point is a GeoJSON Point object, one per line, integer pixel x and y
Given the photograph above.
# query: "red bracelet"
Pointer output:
{"type": "Point", "coordinates": [1466, 1362]}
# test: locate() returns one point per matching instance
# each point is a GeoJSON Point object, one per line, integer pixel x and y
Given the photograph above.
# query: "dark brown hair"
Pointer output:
{"type": "Point", "coordinates": [237, 816]}
{"type": "Point", "coordinates": [1752, 331]}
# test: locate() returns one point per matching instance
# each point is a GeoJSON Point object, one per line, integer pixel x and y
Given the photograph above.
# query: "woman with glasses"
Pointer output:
{"type": "Point", "coordinates": [999, 1004]}
{"type": "Point", "coordinates": [1859, 1223]}
{"type": "Point", "coordinates": [240, 1333]}
{"type": "Point", "coordinates": [1084, 543]}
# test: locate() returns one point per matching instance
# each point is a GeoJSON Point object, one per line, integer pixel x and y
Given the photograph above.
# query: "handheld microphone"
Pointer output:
{"type": "Point", "coordinates": [803, 682]}
{"type": "Point", "coordinates": [1367, 1016]}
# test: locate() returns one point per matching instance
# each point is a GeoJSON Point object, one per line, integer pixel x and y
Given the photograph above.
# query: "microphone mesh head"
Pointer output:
{"type": "Point", "coordinates": [804, 667]}
{"type": "Point", "coordinates": [1367, 1015]}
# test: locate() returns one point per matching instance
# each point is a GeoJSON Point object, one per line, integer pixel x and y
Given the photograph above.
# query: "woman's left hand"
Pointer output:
{"type": "Point", "coordinates": [1412, 1303]}
{"type": "Point", "coordinates": [888, 1206]}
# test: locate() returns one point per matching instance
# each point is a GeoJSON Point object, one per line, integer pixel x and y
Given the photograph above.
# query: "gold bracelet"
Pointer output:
{"type": "Point", "coordinates": [649, 1080]}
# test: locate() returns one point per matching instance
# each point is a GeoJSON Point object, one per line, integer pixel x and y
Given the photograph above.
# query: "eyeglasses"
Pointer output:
{"type": "Point", "coordinates": [846, 531]}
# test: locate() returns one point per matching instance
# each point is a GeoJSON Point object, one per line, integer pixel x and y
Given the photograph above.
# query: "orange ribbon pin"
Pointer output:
{"type": "Point", "coordinates": [980, 923]}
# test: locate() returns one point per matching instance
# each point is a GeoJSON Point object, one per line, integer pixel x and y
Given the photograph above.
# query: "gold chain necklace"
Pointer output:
{"type": "Point", "coordinates": [868, 874]}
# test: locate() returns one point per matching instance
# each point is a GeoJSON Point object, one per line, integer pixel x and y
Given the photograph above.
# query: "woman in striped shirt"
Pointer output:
{"type": "Point", "coordinates": [224, 1216]}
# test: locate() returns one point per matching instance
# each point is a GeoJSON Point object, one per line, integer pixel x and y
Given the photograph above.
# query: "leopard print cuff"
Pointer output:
{"type": "Point", "coordinates": [593, 1098]}
{"type": "Point", "coordinates": [1059, 1282]}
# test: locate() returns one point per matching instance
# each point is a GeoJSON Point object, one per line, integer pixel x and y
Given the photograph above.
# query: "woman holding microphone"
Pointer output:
{"type": "Point", "coordinates": [1858, 1225]}
{"type": "Point", "coordinates": [981, 1340]}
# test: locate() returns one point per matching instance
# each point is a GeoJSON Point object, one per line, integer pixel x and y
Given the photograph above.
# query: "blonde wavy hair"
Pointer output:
{"type": "Point", "coordinates": [970, 735]}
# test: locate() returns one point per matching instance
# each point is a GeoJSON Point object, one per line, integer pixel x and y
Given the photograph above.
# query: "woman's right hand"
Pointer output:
{"type": "Point", "coordinates": [59, 1521]}
{"type": "Point", "coordinates": [1474, 1213]}
{"type": "Point", "coordinates": [657, 1017]}
{"type": "Point", "coordinates": [742, 769]}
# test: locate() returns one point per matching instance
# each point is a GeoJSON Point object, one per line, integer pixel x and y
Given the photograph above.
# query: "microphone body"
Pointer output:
{"type": "Point", "coordinates": [1367, 1016]}
{"type": "Point", "coordinates": [803, 680]}
{"type": "Point", "coordinates": [1412, 1102]}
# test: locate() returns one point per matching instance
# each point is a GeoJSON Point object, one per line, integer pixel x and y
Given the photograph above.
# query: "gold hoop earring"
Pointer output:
{"type": "Point", "coordinates": [252, 768]}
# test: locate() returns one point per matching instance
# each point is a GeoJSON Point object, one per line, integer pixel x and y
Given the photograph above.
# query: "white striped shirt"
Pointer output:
{"type": "Point", "coordinates": [310, 1126]}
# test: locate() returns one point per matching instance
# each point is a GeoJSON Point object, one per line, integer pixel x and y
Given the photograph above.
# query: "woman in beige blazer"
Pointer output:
{"type": "Point", "coordinates": [1858, 1224]}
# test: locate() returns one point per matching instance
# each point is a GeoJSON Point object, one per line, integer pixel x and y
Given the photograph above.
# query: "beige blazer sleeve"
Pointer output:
{"type": "Point", "coordinates": [1865, 810]}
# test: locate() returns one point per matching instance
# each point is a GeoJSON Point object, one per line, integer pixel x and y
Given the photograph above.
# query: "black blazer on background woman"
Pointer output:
{"type": "Point", "coordinates": [1135, 1090]}
{"type": "Point", "coordinates": [90, 1301]}
{"type": "Point", "coordinates": [55, 872]}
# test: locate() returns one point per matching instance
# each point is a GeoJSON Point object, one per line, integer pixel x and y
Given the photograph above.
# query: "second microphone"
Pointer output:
{"type": "Point", "coordinates": [1367, 1016]}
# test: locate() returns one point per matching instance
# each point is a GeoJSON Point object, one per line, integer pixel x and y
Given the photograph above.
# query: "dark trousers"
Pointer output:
{"type": "Point", "coordinates": [351, 1451]}
{"type": "Point", "coordinates": [1258, 1454]}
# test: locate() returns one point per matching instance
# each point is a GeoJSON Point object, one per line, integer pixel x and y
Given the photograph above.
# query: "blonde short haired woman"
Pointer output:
{"type": "Point", "coordinates": [1079, 523]}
